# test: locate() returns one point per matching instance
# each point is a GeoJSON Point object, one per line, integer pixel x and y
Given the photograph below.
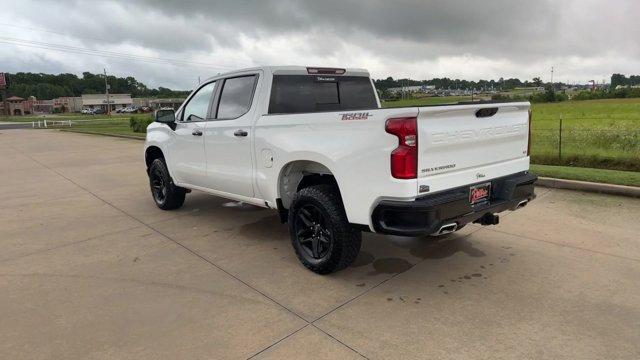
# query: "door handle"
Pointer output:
{"type": "Point", "coordinates": [240, 133]}
{"type": "Point", "coordinates": [197, 132]}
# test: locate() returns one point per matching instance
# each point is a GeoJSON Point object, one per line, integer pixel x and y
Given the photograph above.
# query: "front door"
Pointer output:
{"type": "Point", "coordinates": [228, 137]}
{"type": "Point", "coordinates": [188, 147]}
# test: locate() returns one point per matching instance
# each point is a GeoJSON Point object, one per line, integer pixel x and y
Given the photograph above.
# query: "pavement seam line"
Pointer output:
{"type": "Point", "coordinates": [279, 341]}
{"type": "Point", "coordinates": [377, 285]}
{"type": "Point", "coordinates": [313, 323]}
{"type": "Point", "coordinates": [563, 245]}
{"type": "Point", "coordinates": [340, 341]}
{"type": "Point", "coordinates": [69, 244]}
{"type": "Point", "coordinates": [189, 250]}
{"type": "Point", "coordinates": [302, 328]}
{"type": "Point", "coordinates": [167, 237]}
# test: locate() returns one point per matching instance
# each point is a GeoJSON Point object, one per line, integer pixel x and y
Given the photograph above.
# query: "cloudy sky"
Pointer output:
{"type": "Point", "coordinates": [171, 43]}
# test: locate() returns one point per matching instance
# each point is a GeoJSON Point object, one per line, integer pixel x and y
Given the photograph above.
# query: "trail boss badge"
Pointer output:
{"type": "Point", "coordinates": [356, 116]}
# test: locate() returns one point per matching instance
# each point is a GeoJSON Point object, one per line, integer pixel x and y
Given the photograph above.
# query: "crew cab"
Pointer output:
{"type": "Point", "coordinates": [315, 145]}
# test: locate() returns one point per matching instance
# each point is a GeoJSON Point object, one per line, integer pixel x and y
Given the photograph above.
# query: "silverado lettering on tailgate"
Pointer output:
{"type": "Point", "coordinates": [459, 136]}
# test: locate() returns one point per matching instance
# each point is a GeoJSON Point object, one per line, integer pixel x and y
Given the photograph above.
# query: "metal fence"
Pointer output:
{"type": "Point", "coordinates": [589, 142]}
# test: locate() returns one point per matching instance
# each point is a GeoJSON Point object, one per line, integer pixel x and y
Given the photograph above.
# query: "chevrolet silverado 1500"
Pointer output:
{"type": "Point", "coordinates": [315, 145]}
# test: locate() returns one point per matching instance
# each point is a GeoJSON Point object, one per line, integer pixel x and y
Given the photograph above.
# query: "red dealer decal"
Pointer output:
{"type": "Point", "coordinates": [479, 193]}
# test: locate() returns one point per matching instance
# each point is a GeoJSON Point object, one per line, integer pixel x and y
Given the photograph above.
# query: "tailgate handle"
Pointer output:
{"type": "Point", "coordinates": [486, 112]}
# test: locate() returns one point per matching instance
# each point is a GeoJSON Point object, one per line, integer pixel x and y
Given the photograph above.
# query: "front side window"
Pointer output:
{"type": "Point", "coordinates": [236, 96]}
{"type": "Point", "coordinates": [198, 106]}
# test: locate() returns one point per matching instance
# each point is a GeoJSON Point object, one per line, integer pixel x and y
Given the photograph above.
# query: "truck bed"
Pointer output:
{"type": "Point", "coordinates": [455, 148]}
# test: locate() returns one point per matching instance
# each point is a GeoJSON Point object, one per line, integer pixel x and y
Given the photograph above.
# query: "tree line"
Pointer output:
{"type": "Point", "coordinates": [619, 79]}
{"type": "Point", "coordinates": [549, 95]}
{"type": "Point", "coordinates": [453, 84]}
{"type": "Point", "coordinates": [50, 86]}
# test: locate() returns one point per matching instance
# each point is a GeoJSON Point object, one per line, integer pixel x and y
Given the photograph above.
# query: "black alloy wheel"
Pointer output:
{"type": "Point", "coordinates": [166, 194]}
{"type": "Point", "coordinates": [313, 232]}
{"type": "Point", "coordinates": [158, 186]}
{"type": "Point", "coordinates": [321, 235]}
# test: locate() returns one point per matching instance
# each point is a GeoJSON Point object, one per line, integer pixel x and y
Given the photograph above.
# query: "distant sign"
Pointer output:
{"type": "Point", "coordinates": [3, 80]}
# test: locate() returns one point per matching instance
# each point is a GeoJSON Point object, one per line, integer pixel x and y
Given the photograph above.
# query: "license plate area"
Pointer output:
{"type": "Point", "coordinates": [479, 193]}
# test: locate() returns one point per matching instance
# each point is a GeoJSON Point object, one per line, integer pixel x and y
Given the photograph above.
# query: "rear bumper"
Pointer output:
{"type": "Point", "coordinates": [426, 215]}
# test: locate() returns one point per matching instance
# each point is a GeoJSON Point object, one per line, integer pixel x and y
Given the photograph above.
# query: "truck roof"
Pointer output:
{"type": "Point", "coordinates": [294, 70]}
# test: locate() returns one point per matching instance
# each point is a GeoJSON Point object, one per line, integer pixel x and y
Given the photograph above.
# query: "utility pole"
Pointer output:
{"type": "Point", "coordinates": [106, 91]}
{"type": "Point", "coordinates": [3, 93]}
{"type": "Point", "coordinates": [552, 87]}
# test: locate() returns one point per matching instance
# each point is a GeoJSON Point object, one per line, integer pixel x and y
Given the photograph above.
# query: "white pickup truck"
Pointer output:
{"type": "Point", "coordinates": [315, 144]}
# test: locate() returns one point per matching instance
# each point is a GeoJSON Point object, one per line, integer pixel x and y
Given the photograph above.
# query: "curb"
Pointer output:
{"type": "Point", "coordinates": [101, 134]}
{"type": "Point", "coordinates": [601, 188]}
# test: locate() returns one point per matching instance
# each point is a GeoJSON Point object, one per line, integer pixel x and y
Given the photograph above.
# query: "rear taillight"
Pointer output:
{"type": "Point", "coordinates": [404, 159]}
{"type": "Point", "coordinates": [529, 136]}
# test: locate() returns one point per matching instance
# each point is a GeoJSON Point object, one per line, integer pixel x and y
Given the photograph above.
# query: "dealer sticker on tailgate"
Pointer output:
{"type": "Point", "coordinates": [479, 193]}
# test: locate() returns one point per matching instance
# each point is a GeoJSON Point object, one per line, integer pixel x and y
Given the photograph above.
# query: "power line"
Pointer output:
{"type": "Point", "coordinates": [51, 31]}
{"type": "Point", "coordinates": [74, 35]}
{"type": "Point", "coordinates": [105, 53]}
{"type": "Point", "coordinates": [88, 51]}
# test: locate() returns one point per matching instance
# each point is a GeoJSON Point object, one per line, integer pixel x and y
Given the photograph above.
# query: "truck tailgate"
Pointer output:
{"type": "Point", "coordinates": [467, 144]}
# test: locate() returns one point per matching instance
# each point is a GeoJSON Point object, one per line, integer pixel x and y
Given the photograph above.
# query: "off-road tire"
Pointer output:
{"type": "Point", "coordinates": [345, 240]}
{"type": "Point", "coordinates": [172, 197]}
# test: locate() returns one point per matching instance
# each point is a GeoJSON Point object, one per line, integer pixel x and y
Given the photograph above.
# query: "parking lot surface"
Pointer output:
{"type": "Point", "coordinates": [91, 269]}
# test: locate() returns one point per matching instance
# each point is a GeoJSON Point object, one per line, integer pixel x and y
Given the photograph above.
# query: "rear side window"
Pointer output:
{"type": "Point", "coordinates": [236, 96]}
{"type": "Point", "coordinates": [291, 94]}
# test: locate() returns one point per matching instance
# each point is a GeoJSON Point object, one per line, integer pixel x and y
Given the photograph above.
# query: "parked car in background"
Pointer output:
{"type": "Point", "coordinates": [98, 111]}
{"type": "Point", "coordinates": [131, 109]}
{"type": "Point", "coordinates": [314, 144]}
{"type": "Point", "coordinates": [87, 111]}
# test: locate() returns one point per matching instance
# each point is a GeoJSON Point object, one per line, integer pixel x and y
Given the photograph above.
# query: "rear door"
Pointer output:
{"type": "Point", "coordinates": [465, 144]}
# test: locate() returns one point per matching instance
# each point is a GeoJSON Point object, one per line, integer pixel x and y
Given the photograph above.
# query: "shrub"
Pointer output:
{"type": "Point", "coordinates": [512, 97]}
{"type": "Point", "coordinates": [607, 94]}
{"type": "Point", "coordinates": [548, 96]}
{"type": "Point", "coordinates": [139, 124]}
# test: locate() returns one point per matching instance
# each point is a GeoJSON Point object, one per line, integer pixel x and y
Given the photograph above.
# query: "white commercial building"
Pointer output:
{"type": "Point", "coordinates": [99, 101]}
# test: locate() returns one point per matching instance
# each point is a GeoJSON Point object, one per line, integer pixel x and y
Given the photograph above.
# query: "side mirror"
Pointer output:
{"type": "Point", "coordinates": [165, 116]}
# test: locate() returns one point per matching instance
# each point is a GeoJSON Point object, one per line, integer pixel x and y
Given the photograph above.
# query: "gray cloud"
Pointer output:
{"type": "Point", "coordinates": [481, 26]}
{"type": "Point", "coordinates": [464, 38]}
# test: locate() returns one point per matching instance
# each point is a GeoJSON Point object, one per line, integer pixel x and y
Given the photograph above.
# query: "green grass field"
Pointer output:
{"type": "Point", "coordinates": [69, 116]}
{"type": "Point", "coordinates": [113, 126]}
{"type": "Point", "coordinates": [425, 101]}
{"type": "Point", "coordinates": [596, 133]}
{"type": "Point", "coordinates": [630, 178]}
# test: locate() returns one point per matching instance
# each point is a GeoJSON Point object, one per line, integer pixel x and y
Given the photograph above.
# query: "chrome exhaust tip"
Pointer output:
{"type": "Point", "coordinates": [446, 229]}
{"type": "Point", "coordinates": [520, 205]}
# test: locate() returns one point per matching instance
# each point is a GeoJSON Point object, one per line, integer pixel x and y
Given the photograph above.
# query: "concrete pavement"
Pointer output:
{"type": "Point", "coordinates": [90, 268]}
